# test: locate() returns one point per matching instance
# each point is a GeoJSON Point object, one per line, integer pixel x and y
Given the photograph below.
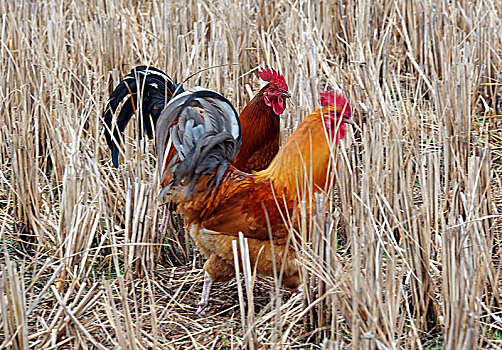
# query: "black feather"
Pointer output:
{"type": "Point", "coordinates": [155, 88]}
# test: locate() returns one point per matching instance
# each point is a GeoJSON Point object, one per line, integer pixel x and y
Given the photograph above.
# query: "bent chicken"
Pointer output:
{"type": "Point", "coordinates": [259, 119]}
{"type": "Point", "coordinates": [222, 200]}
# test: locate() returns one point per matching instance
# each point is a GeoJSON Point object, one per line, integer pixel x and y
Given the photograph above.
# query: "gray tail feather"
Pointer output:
{"type": "Point", "coordinates": [204, 141]}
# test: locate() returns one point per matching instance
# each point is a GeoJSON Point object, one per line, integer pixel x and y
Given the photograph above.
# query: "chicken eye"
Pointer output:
{"type": "Point", "coordinates": [272, 89]}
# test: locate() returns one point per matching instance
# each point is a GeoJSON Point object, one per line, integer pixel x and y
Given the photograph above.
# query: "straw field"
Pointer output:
{"type": "Point", "coordinates": [402, 253]}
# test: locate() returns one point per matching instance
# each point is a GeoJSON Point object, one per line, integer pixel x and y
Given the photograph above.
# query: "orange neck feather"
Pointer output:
{"type": "Point", "coordinates": [305, 155]}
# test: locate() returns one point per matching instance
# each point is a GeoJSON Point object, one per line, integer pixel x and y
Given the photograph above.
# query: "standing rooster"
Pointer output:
{"type": "Point", "coordinates": [223, 201]}
{"type": "Point", "coordinates": [259, 119]}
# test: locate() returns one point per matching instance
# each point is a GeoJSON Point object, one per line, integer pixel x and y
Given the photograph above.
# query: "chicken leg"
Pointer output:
{"type": "Point", "coordinates": [206, 289]}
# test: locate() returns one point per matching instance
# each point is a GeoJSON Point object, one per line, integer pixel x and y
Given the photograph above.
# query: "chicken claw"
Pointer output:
{"type": "Point", "coordinates": [204, 298]}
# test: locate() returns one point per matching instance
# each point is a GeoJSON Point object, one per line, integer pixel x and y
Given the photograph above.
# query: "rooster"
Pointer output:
{"type": "Point", "coordinates": [260, 123]}
{"type": "Point", "coordinates": [259, 119]}
{"type": "Point", "coordinates": [222, 201]}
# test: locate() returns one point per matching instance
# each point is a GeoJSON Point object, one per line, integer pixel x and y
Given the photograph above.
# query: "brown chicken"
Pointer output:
{"type": "Point", "coordinates": [223, 201]}
{"type": "Point", "coordinates": [260, 123]}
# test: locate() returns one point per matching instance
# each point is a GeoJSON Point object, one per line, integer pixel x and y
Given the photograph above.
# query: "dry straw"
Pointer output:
{"type": "Point", "coordinates": [401, 252]}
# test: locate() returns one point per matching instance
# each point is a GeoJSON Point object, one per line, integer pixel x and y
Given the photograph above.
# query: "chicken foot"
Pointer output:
{"type": "Point", "coordinates": [204, 298]}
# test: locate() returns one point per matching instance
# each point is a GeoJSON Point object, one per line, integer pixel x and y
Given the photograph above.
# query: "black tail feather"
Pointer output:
{"type": "Point", "coordinates": [155, 88]}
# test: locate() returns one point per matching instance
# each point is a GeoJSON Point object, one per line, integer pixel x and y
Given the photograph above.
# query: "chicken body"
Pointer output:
{"type": "Point", "coordinates": [243, 202]}
{"type": "Point", "coordinates": [259, 119]}
{"type": "Point", "coordinates": [260, 130]}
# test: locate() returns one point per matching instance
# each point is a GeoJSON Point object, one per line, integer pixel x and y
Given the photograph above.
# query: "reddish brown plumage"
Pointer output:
{"type": "Point", "coordinates": [242, 202]}
{"type": "Point", "coordinates": [260, 134]}
{"type": "Point", "coordinates": [260, 123]}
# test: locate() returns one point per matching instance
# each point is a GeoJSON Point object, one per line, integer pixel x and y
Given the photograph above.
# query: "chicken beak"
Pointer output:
{"type": "Point", "coordinates": [348, 121]}
{"type": "Point", "coordinates": [286, 94]}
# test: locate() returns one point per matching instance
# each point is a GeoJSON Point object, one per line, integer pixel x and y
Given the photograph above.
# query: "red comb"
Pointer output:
{"type": "Point", "coordinates": [329, 98]}
{"type": "Point", "coordinates": [272, 76]}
